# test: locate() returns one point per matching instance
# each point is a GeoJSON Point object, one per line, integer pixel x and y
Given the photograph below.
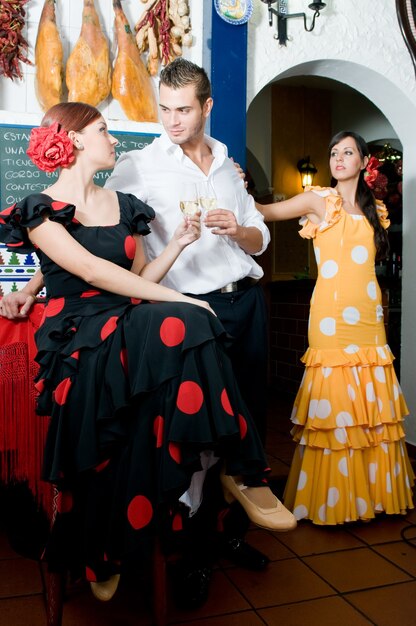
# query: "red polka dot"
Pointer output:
{"type": "Point", "coordinates": [90, 575]}
{"type": "Point", "coordinates": [139, 512]}
{"type": "Point", "coordinates": [109, 327]}
{"type": "Point", "coordinates": [158, 427]}
{"type": "Point", "coordinates": [90, 293]}
{"type": "Point", "coordinates": [54, 306]}
{"type": "Point", "coordinates": [57, 206]}
{"type": "Point", "coordinates": [8, 210]}
{"type": "Point", "coordinates": [101, 466]}
{"type": "Point", "coordinates": [175, 452]}
{"type": "Point", "coordinates": [15, 245]}
{"type": "Point", "coordinates": [136, 300]}
{"type": "Point", "coordinates": [62, 390]}
{"type": "Point", "coordinates": [190, 397]}
{"type": "Point", "coordinates": [243, 426]}
{"type": "Point", "coordinates": [64, 502]}
{"type": "Point", "coordinates": [75, 221]}
{"type": "Point", "coordinates": [40, 385]}
{"type": "Point", "coordinates": [124, 360]}
{"type": "Point", "coordinates": [177, 522]}
{"type": "Point", "coordinates": [130, 247]}
{"type": "Point", "coordinates": [172, 331]}
{"type": "Point", "coordinates": [225, 401]}
{"type": "Point", "coordinates": [75, 355]}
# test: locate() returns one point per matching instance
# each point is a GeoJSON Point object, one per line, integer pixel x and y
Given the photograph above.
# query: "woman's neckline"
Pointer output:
{"type": "Point", "coordinates": [361, 214]}
{"type": "Point", "coordinates": [90, 225]}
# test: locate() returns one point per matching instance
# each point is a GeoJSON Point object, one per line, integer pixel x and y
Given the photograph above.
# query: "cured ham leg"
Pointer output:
{"type": "Point", "coordinates": [131, 84]}
{"type": "Point", "coordinates": [48, 59]}
{"type": "Point", "coordinates": [88, 70]}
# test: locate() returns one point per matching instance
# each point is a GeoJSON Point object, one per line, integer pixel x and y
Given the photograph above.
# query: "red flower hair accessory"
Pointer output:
{"type": "Point", "coordinates": [50, 148]}
{"type": "Point", "coordinates": [371, 174]}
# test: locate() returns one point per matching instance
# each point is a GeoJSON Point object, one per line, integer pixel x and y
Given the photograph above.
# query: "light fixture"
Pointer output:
{"type": "Point", "coordinates": [282, 16]}
{"type": "Point", "coordinates": [307, 171]}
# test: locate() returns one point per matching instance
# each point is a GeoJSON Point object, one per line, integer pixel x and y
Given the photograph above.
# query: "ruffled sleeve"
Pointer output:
{"type": "Point", "coordinates": [138, 213]}
{"type": "Point", "coordinates": [382, 214]}
{"type": "Point", "coordinates": [333, 205]}
{"type": "Point", "coordinates": [29, 213]}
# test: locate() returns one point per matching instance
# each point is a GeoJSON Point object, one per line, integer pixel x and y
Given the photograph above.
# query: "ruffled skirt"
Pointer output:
{"type": "Point", "coordinates": [351, 460]}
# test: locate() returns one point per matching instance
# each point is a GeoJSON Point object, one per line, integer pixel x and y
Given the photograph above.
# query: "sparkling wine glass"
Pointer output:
{"type": "Point", "coordinates": [189, 203]}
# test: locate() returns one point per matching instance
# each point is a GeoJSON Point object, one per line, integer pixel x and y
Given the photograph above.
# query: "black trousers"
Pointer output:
{"type": "Point", "coordinates": [244, 317]}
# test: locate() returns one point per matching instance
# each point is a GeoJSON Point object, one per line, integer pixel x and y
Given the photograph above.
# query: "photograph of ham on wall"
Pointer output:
{"type": "Point", "coordinates": [107, 53]}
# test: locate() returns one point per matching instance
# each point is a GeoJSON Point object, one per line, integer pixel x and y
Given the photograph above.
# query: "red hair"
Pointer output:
{"type": "Point", "coordinates": [71, 115]}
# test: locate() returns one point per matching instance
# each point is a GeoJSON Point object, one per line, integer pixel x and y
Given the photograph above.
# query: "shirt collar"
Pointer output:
{"type": "Point", "coordinates": [218, 149]}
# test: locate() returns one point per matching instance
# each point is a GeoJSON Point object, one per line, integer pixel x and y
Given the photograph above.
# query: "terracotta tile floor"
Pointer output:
{"type": "Point", "coordinates": [352, 575]}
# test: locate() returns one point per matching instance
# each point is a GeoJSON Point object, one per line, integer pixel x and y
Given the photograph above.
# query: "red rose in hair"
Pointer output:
{"type": "Point", "coordinates": [371, 174]}
{"type": "Point", "coordinates": [50, 148]}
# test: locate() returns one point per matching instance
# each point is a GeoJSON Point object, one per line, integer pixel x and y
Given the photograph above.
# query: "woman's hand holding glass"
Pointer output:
{"type": "Point", "coordinates": [189, 230]}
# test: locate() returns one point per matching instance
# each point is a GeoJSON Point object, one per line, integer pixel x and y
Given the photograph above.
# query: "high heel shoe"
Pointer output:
{"type": "Point", "coordinates": [104, 591]}
{"type": "Point", "coordinates": [260, 504]}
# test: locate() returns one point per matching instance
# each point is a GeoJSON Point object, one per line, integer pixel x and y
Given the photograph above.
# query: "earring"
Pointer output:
{"type": "Point", "coordinates": [80, 146]}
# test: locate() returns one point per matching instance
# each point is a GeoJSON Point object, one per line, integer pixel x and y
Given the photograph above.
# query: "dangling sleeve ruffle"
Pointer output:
{"type": "Point", "coordinates": [29, 213]}
{"type": "Point", "coordinates": [382, 214]}
{"type": "Point", "coordinates": [139, 214]}
{"type": "Point", "coordinates": [333, 205]}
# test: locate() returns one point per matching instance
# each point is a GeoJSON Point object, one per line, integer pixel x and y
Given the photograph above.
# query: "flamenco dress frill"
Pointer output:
{"type": "Point", "coordinates": [135, 392]}
{"type": "Point", "coordinates": [351, 460]}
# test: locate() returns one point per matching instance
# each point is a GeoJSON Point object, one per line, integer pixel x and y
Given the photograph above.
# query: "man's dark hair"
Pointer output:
{"type": "Point", "coordinates": [181, 73]}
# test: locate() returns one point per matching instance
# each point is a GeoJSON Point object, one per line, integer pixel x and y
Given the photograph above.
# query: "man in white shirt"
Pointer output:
{"type": "Point", "coordinates": [182, 166]}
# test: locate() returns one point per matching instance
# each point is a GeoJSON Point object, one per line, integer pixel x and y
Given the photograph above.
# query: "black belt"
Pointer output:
{"type": "Point", "coordinates": [239, 285]}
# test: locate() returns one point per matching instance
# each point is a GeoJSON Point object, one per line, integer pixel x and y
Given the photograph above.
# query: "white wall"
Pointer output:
{"type": "Point", "coordinates": [360, 44]}
{"type": "Point", "coordinates": [18, 102]}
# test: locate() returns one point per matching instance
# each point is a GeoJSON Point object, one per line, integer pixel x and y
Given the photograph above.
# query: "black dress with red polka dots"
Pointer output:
{"type": "Point", "coordinates": [134, 390]}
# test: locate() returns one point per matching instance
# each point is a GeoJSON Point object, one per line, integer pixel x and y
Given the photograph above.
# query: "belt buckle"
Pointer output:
{"type": "Point", "coordinates": [229, 288]}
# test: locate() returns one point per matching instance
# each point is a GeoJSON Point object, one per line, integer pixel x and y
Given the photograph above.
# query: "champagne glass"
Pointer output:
{"type": "Point", "coordinates": [189, 203]}
{"type": "Point", "coordinates": [206, 196]}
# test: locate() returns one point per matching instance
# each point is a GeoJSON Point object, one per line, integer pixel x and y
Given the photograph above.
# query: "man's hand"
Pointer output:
{"type": "Point", "coordinates": [189, 230]}
{"type": "Point", "coordinates": [222, 222]}
{"type": "Point", "coordinates": [16, 305]}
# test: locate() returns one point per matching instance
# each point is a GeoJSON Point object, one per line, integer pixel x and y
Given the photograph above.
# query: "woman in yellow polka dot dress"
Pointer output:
{"type": "Point", "coordinates": [351, 460]}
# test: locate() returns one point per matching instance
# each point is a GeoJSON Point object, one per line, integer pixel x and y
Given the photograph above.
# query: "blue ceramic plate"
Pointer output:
{"type": "Point", "coordinates": [234, 11]}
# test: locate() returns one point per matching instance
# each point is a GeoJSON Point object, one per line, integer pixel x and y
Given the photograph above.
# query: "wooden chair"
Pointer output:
{"type": "Point", "coordinates": [22, 435]}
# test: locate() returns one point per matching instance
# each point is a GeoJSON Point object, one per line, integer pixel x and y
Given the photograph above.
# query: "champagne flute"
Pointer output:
{"type": "Point", "coordinates": [189, 203]}
{"type": "Point", "coordinates": [206, 196]}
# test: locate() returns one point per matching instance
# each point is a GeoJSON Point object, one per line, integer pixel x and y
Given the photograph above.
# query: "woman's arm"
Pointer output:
{"type": "Point", "coordinates": [17, 304]}
{"type": "Point", "coordinates": [307, 204]}
{"type": "Point", "coordinates": [188, 231]}
{"type": "Point", "coordinates": [53, 239]}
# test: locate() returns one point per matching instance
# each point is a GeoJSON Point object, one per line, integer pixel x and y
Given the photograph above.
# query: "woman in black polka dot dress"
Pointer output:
{"type": "Point", "coordinates": [134, 375]}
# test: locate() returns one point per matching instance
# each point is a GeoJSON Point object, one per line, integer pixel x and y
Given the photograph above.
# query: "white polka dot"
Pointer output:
{"type": "Point", "coordinates": [293, 414]}
{"type": "Point", "coordinates": [326, 371]}
{"type": "Point", "coordinates": [357, 218]}
{"type": "Point", "coordinates": [323, 409]}
{"type": "Point", "coordinates": [397, 469]}
{"type": "Point", "coordinates": [327, 326]}
{"type": "Point", "coordinates": [300, 512]}
{"type": "Point", "coordinates": [351, 453]}
{"type": "Point", "coordinates": [381, 352]}
{"type": "Point", "coordinates": [327, 451]}
{"type": "Point", "coordinates": [351, 349]}
{"type": "Point", "coordinates": [312, 408]}
{"type": "Point", "coordinates": [340, 435]}
{"type": "Point", "coordinates": [332, 497]}
{"type": "Point", "coordinates": [392, 409]}
{"type": "Point", "coordinates": [378, 507]}
{"type": "Point", "coordinates": [301, 451]}
{"type": "Point", "coordinates": [380, 404]}
{"type": "Point", "coordinates": [380, 374]}
{"type": "Point", "coordinates": [369, 392]}
{"type": "Point", "coordinates": [322, 513]}
{"type": "Point", "coordinates": [309, 387]}
{"type": "Point", "coordinates": [302, 442]}
{"type": "Point", "coordinates": [351, 315]}
{"type": "Point", "coordinates": [317, 255]}
{"type": "Point", "coordinates": [359, 254]}
{"type": "Point", "coordinates": [407, 481]}
{"type": "Point", "coordinates": [344, 419]}
{"type": "Point", "coordinates": [379, 429]}
{"type": "Point", "coordinates": [395, 392]}
{"type": "Point", "coordinates": [372, 290]}
{"type": "Point", "coordinates": [355, 374]}
{"type": "Point", "coordinates": [379, 313]}
{"type": "Point", "coordinates": [351, 392]}
{"type": "Point", "coordinates": [384, 447]}
{"type": "Point", "coordinates": [361, 505]}
{"type": "Point", "coordinates": [303, 479]}
{"type": "Point", "coordinates": [329, 269]}
{"type": "Point", "coordinates": [343, 466]}
{"type": "Point", "coordinates": [372, 472]}
{"type": "Point", "coordinates": [388, 482]}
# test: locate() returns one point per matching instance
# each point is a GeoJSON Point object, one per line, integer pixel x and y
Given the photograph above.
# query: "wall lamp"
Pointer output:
{"type": "Point", "coordinates": [307, 171]}
{"type": "Point", "coordinates": [282, 17]}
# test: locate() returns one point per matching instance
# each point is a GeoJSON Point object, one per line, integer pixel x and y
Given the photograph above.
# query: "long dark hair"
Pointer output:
{"type": "Point", "coordinates": [364, 197]}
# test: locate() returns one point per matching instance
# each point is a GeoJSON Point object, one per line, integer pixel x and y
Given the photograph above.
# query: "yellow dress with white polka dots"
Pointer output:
{"type": "Point", "coordinates": [351, 461]}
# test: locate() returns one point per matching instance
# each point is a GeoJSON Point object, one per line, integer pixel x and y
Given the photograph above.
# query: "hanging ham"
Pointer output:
{"type": "Point", "coordinates": [48, 59]}
{"type": "Point", "coordinates": [88, 70]}
{"type": "Point", "coordinates": [131, 84]}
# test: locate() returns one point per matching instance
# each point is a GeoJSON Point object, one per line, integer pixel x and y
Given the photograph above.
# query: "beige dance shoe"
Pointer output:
{"type": "Point", "coordinates": [260, 504]}
{"type": "Point", "coordinates": [104, 591]}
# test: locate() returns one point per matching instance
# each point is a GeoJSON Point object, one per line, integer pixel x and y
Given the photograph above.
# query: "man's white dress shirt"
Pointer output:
{"type": "Point", "coordinates": [161, 175]}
